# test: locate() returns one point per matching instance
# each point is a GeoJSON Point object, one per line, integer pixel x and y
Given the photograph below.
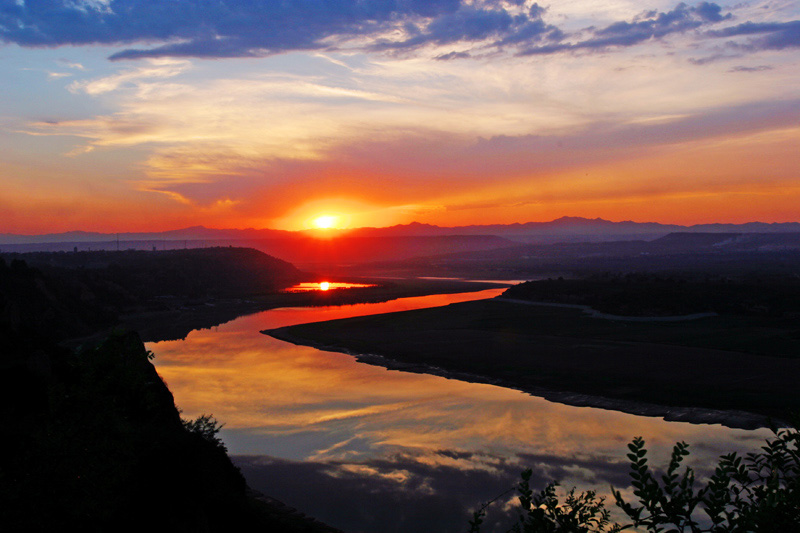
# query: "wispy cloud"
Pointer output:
{"type": "Point", "coordinates": [189, 28]}
{"type": "Point", "coordinates": [759, 68]}
{"type": "Point", "coordinates": [155, 69]}
{"type": "Point", "coordinates": [71, 64]}
{"type": "Point", "coordinates": [768, 35]}
{"type": "Point", "coordinates": [650, 25]}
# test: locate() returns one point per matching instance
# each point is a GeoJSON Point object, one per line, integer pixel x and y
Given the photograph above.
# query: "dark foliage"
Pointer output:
{"type": "Point", "coordinates": [207, 427]}
{"type": "Point", "coordinates": [99, 446]}
{"type": "Point", "coordinates": [36, 310]}
{"type": "Point", "coordinates": [759, 492]}
{"type": "Point", "coordinates": [134, 279]}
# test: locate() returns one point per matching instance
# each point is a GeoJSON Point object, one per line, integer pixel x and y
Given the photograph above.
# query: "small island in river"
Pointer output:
{"type": "Point", "coordinates": [738, 366]}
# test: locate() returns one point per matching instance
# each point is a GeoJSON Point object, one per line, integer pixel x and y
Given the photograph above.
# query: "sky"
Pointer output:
{"type": "Point", "coordinates": [139, 115]}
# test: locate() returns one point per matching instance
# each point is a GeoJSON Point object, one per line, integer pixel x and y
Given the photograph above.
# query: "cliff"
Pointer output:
{"type": "Point", "coordinates": [91, 439]}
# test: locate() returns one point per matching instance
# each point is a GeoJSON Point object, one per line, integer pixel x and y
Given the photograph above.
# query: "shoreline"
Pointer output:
{"type": "Point", "coordinates": [177, 323]}
{"type": "Point", "coordinates": [694, 415]}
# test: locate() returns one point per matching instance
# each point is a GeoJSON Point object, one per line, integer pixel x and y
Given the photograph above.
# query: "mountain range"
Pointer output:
{"type": "Point", "coordinates": [564, 228]}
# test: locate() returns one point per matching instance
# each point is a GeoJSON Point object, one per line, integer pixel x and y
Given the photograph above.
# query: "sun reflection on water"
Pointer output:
{"type": "Point", "coordinates": [325, 286]}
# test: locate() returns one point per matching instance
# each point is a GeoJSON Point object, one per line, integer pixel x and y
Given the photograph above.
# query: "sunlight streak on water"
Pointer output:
{"type": "Point", "coordinates": [325, 286]}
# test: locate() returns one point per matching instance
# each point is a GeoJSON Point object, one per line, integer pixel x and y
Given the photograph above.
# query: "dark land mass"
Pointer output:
{"type": "Point", "coordinates": [165, 294]}
{"type": "Point", "coordinates": [91, 438]}
{"type": "Point", "coordinates": [313, 249]}
{"type": "Point", "coordinates": [712, 369]}
{"type": "Point", "coordinates": [755, 255]}
{"type": "Point", "coordinates": [93, 442]}
{"type": "Point", "coordinates": [178, 321]}
{"type": "Point", "coordinates": [302, 250]}
{"type": "Point", "coordinates": [773, 300]}
{"type": "Point", "coordinates": [141, 280]}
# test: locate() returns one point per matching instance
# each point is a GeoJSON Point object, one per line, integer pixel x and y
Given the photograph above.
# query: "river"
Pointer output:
{"type": "Point", "coordinates": [367, 449]}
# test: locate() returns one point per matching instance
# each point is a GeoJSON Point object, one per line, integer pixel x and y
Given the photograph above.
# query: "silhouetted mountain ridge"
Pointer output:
{"type": "Point", "coordinates": [565, 225]}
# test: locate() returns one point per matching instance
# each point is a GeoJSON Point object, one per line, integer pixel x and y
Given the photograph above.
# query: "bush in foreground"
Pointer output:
{"type": "Point", "coordinates": [759, 492]}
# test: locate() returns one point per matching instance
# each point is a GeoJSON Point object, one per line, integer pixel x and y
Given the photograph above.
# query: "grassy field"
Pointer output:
{"type": "Point", "coordinates": [728, 363]}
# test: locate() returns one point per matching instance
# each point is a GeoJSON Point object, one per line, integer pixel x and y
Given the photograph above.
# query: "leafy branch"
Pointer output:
{"type": "Point", "coordinates": [755, 493]}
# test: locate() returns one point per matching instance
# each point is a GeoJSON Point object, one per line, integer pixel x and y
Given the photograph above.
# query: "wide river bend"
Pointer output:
{"type": "Point", "coordinates": [367, 449]}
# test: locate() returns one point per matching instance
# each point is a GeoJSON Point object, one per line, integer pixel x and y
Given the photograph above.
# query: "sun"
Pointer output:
{"type": "Point", "coordinates": [325, 221]}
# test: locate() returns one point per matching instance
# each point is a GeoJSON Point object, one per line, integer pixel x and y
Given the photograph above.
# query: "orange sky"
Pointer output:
{"type": "Point", "coordinates": [466, 113]}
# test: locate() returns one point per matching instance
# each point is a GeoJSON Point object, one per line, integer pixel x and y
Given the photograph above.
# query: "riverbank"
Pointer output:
{"type": "Point", "coordinates": [565, 356]}
{"type": "Point", "coordinates": [178, 322]}
{"type": "Point", "coordinates": [99, 445]}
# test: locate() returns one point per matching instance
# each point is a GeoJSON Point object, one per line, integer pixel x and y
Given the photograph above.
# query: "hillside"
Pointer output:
{"type": "Point", "coordinates": [715, 254]}
{"type": "Point", "coordinates": [36, 310]}
{"type": "Point", "coordinates": [136, 280]}
{"type": "Point", "coordinates": [92, 439]}
{"type": "Point", "coordinates": [298, 248]}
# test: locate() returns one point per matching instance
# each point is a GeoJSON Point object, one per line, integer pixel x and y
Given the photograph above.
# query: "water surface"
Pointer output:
{"type": "Point", "coordinates": [325, 286]}
{"type": "Point", "coordinates": [369, 449]}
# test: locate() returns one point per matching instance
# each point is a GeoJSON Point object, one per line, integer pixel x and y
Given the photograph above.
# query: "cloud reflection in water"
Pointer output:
{"type": "Point", "coordinates": [416, 439]}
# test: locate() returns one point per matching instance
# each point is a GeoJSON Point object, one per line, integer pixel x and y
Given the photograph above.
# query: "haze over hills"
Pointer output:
{"type": "Point", "coordinates": [576, 227]}
{"type": "Point", "coordinates": [564, 226]}
{"type": "Point", "coordinates": [572, 236]}
{"type": "Point", "coordinates": [716, 254]}
{"type": "Point", "coordinates": [191, 233]}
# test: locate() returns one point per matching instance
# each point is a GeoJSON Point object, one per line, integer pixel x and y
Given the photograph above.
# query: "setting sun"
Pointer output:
{"type": "Point", "coordinates": [326, 222]}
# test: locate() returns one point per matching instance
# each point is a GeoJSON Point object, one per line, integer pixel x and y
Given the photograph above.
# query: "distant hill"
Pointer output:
{"type": "Point", "coordinates": [298, 249]}
{"type": "Point", "coordinates": [109, 282]}
{"type": "Point", "coordinates": [395, 243]}
{"type": "Point", "coordinates": [348, 249]}
{"type": "Point", "coordinates": [36, 309]}
{"type": "Point", "coordinates": [193, 233]}
{"type": "Point", "coordinates": [577, 227]}
{"type": "Point", "coordinates": [564, 226]}
{"type": "Point", "coordinates": [715, 254]}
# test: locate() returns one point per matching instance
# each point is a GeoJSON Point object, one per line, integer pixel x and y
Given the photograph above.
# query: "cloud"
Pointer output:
{"type": "Point", "coordinates": [155, 69]}
{"type": "Point", "coordinates": [413, 491]}
{"type": "Point", "coordinates": [191, 28]}
{"type": "Point", "coordinates": [773, 35]}
{"type": "Point", "coordinates": [467, 24]}
{"type": "Point", "coordinates": [71, 64]}
{"type": "Point", "coordinates": [453, 55]}
{"type": "Point", "coordinates": [225, 28]}
{"type": "Point", "coordinates": [759, 68]}
{"type": "Point", "coordinates": [650, 25]}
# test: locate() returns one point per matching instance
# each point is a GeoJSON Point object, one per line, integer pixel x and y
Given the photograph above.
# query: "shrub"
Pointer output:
{"type": "Point", "coordinates": [207, 427]}
{"type": "Point", "coordinates": [759, 492]}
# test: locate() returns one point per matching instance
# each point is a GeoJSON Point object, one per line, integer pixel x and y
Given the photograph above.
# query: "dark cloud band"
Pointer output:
{"type": "Point", "coordinates": [241, 28]}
